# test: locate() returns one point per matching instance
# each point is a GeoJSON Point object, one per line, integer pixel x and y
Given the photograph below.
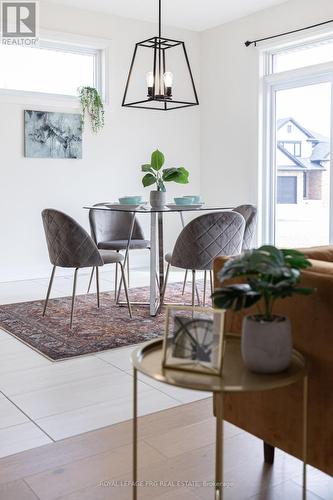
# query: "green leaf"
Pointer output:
{"type": "Point", "coordinates": [146, 168]}
{"type": "Point", "coordinates": [148, 180]}
{"type": "Point", "coordinates": [274, 253]}
{"type": "Point", "coordinates": [169, 174]}
{"type": "Point", "coordinates": [269, 272]}
{"type": "Point", "coordinates": [157, 160]}
{"type": "Point", "coordinates": [296, 259]}
{"type": "Point", "coordinates": [179, 175]}
{"type": "Point", "coordinates": [235, 297]}
{"type": "Point", "coordinates": [183, 179]}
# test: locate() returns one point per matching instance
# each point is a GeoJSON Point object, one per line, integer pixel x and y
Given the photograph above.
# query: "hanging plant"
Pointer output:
{"type": "Point", "coordinates": [92, 104]}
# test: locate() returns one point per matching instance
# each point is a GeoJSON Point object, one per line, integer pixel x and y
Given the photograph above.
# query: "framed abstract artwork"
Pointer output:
{"type": "Point", "coordinates": [193, 339]}
{"type": "Point", "coordinates": [52, 135]}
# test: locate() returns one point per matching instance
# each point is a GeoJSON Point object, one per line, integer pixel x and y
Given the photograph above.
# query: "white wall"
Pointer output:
{"type": "Point", "coordinates": [111, 160]}
{"type": "Point", "coordinates": [229, 97]}
{"type": "Point", "coordinates": [228, 116]}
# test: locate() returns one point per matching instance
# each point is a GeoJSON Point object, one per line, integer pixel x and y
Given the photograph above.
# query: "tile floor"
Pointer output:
{"type": "Point", "coordinates": [42, 401]}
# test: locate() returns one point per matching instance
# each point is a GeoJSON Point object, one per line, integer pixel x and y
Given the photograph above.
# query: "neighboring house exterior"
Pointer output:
{"type": "Point", "coordinates": [302, 157]}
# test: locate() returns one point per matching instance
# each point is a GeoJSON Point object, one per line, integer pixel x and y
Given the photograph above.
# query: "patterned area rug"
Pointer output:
{"type": "Point", "coordinates": [93, 329]}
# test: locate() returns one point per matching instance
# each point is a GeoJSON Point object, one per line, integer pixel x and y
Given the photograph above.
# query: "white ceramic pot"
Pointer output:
{"type": "Point", "coordinates": [157, 199]}
{"type": "Point", "coordinates": [266, 345]}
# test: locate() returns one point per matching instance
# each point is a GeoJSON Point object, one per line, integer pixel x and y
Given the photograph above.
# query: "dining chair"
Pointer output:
{"type": "Point", "coordinates": [70, 246]}
{"type": "Point", "coordinates": [110, 231]}
{"type": "Point", "coordinates": [249, 212]}
{"type": "Point", "coordinates": [202, 240]}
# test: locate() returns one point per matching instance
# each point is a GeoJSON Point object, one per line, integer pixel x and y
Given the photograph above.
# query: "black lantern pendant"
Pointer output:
{"type": "Point", "coordinates": [157, 90]}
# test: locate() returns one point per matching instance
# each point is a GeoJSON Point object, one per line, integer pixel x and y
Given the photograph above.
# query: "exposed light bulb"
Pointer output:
{"type": "Point", "coordinates": [163, 85]}
{"type": "Point", "coordinates": [150, 79]}
{"type": "Point", "coordinates": [150, 83]}
{"type": "Point", "coordinates": [168, 79]}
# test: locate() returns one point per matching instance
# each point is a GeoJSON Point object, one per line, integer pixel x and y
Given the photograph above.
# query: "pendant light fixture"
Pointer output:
{"type": "Point", "coordinates": [163, 76]}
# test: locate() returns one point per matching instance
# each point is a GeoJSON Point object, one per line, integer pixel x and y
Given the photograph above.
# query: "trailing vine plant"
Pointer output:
{"type": "Point", "coordinates": [91, 104]}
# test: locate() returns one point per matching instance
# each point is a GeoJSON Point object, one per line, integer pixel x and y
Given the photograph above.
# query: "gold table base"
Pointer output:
{"type": "Point", "coordinates": [235, 378]}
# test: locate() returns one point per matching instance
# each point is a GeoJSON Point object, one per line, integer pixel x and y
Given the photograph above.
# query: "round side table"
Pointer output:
{"type": "Point", "coordinates": [147, 359]}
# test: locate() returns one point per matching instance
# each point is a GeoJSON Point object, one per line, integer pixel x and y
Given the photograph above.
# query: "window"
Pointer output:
{"type": "Point", "coordinates": [294, 148]}
{"type": "Point", "coordinates": [297, 187]}
{"type": "Point", "coordinates": [289, 129]}
{"type": "Point", "coordinates": [297, 149]}
{"type": "Point", "coordinates": [302, 55]}
{"type": "Point", "coordinates": [51, 68]}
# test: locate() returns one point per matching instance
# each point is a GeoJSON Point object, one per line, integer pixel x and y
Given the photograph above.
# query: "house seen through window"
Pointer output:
{"type": "Point", "coordinates": [303, 163]}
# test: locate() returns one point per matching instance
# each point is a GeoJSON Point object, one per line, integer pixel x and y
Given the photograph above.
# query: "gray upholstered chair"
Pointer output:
{"type": "Point", "coordinates": [249, 212]}
{"type": "Point", "coordinates": [203, 239]}
{"type": "Point", "coordinates": [110, 231]}
{"type": "Point", "coordinates": [69, 245]}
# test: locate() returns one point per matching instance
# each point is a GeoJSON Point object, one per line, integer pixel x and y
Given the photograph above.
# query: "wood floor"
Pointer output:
{"type": "Point", "coordinates": [176, 450]}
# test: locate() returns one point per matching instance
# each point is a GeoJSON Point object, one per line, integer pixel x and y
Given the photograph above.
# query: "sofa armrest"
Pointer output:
{"type": "Point", "coordinates": [275, 418]}
{"type": "Point", "coordinates": [323, 253]}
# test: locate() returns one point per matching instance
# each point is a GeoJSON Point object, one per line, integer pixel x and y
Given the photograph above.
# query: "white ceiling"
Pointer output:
{"type": "Point", "coordinates": [196, 15]}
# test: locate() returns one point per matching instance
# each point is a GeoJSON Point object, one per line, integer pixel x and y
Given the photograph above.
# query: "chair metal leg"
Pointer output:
{"type": "Point", "coordinates": [128, 269]}
{"type": "Point", "coordinates": [116, 281]}
{"type": "Point", "coordinates": [211, 282]}
{"type": "Point", "coordinates": [193, 286]}
{"type": "Point", "coordinates": [73, 297]}
{"type": "Point", "coordinates": [90, 280]}
{"type": "Point", "coordinates": [126, 253]}
{"type": "Point", "coordinates": [197, 292]}
{"type": "Point", "coordinates": [126, 289]}
{"type": "Point", "coordinates": [97, 285]}
{"type": "Point", "coordinates": [49, 290]}
{"type": "Point", "coordinates": [185, 279]}
{"type": "Point", "coordinates": [165, 282]}
{"type": "Point", "coordinates": [204, 291]}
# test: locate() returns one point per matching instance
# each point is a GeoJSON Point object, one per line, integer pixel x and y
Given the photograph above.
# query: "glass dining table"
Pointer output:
{"type": "Point", "coordinates": [156, 267]}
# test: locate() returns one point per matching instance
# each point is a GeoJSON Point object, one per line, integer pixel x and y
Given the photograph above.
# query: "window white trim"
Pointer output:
{"type": "Point", "coordinates": [310, 75]}
{"type": "Point", "coordinates": [68, 42]}
{"type": "Point", "coordinates": [266, 153]}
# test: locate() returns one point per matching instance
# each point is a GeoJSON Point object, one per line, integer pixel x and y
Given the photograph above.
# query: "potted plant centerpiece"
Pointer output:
{"type": "Point", "coordinates": [270, 274]}
{"type": "Point", "coordinates": [154, 175]}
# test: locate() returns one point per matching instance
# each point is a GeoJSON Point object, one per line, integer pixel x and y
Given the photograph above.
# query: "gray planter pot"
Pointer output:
{"type": "Point", "coordinates": [157, 199]}
{"type": "Point", "coordinates": [266, 345]}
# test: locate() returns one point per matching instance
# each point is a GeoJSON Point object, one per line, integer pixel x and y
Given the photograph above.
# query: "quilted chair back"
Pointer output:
{"type": "Point", "coordinates": [249, 212]}
{"type": "Point", "coordinates": [69, 245]}
{"type": "Point", "coordinates": [107, 225]}
{"type": "Point", "coordinates": [207, 237]}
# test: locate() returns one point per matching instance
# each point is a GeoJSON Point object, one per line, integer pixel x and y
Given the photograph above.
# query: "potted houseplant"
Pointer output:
{"type": "Point", "coordinates": [92, 105]}
{"type": "Point", "coordinates": [270, 274]}
{"type": "Point", "coordinates": [154, 175]}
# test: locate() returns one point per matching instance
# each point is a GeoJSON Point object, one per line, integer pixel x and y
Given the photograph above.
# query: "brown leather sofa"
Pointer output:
{"type": "Point", "coordinates": [276, 416]}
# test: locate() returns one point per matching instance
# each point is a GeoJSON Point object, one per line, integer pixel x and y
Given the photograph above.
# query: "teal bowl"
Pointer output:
{"type": "Point", "coordinates": [196, 198]}
{"type": "Point", "coordinates": [189, 200]}
{"type": "Point", "coordinates": [130, 200]}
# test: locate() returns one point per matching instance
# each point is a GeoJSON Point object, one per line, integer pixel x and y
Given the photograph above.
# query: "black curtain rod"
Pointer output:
{"type": "Point", "coordinates": [254, 42]}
